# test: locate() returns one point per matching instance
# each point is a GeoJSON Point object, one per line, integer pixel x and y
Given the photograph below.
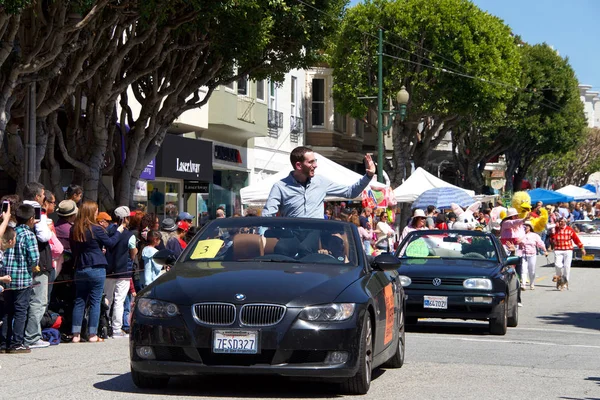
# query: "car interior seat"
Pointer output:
{"type": "Point", "coordinates": [247, 245]}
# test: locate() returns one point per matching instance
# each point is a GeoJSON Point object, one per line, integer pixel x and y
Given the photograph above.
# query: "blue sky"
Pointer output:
{"type": "Point", "coordinates": [570, 26]}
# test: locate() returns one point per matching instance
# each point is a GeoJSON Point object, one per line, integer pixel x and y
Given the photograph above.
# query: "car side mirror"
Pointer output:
{"type": "Point", "coordinates": [512, 260]}
{"type": "Point", "coordinates": [164, 257]}
{"type": "Point", "coordinates": [386, 262]}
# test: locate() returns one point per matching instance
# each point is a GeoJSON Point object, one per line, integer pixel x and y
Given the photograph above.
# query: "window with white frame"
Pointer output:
{"type": "Point", "coordinates": [293, 89]}
{"type": "Point", "coordinates": [260, 90]}
{"type": "Point", "coordinates": [272, 95]}
{"type": "Point", "coordinates": [229, 86]}
{"type": "Point", "coordinates": [242, 87]}
{"type": "Point", "coordinates": [318, 102]}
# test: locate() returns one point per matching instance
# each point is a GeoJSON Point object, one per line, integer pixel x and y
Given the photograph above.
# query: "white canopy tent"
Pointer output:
{"type": "Point", "coordinates": [257, 194]}
{"type": "Point", "coordinates": [577, 192]}
{"type": "Point", "coordinates": [418, 182]}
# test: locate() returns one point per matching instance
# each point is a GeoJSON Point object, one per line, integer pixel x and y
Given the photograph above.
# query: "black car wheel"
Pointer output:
{"type": "Point", "coordinates": [498, 326]}
{"type": "Point", "coordinates": [513, 319]}
{"type": "Point", "coordinates": [144, 381]}
{"type": "Point", "coordinates": [360, 383]}
{"type": "Point", "coordinates": [397, 360]}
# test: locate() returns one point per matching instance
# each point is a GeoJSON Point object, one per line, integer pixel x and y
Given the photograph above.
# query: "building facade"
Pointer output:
{"type": "Point", "coordinates": [285, 126]}
{"type": "Point", "coordinates": [591, 105]}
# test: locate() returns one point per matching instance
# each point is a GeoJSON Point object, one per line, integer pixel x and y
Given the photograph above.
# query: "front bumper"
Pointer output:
{"type": "Point", "coordinates": [458, 307]}
{"type": "Point", "coordinates": [293, 347]}
{"type": "Point", "coordinates": [592, 254]}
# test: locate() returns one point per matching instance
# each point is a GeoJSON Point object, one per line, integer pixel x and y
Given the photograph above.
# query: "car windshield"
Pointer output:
{"type": "Point", "coordinates": [277, 240]}
{"type": "Point", "coordinates": [587, 226]}
{"type": "Point", "coordinates": [465, 245]}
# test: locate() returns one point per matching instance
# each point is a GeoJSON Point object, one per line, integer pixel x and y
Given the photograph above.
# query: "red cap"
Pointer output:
{"type": "Point", "coordinates": [183, 225]}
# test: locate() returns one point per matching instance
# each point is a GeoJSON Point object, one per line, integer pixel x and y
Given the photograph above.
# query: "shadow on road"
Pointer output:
{"type": "Point", "coordinates": [586, 320]}
{"type": "Point", "coordinates": [450, 327]}
{"type": "Point", "coordinates": [232, 386]}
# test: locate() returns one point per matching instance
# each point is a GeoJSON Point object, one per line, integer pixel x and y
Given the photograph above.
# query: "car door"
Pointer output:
{"type": "Point", "coordinates": [510, 274]}
{"type": "Point", "coordinates": [386, 293]}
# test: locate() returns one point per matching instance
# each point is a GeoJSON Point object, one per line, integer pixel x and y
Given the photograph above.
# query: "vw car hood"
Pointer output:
{"type": "Point", "coordinates": [294, 285]}
{"type": "Point", "coordinates": [449, 268]}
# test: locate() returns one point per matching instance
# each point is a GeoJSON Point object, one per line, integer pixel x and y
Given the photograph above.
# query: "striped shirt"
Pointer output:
{"type": "Point", "coordinates": [20, 260]}
{"type": "Point", "coordinates": [564, 237]}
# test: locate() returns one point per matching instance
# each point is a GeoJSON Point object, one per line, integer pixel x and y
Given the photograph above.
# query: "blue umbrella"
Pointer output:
{"type": "Point", "coordinates": [442, 197]}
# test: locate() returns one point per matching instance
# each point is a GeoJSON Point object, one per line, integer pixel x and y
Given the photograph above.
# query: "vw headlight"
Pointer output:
{"type": "Point", "coordinates": [478, 283]}
{"type": "Point", "coordinates": [156, 308]}
{"type": "Point", "coordinates": [328, 312]}
{"type": "Point", "coordinates": [404, 280]}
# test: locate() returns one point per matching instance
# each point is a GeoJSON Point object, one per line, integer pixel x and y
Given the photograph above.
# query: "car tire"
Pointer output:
{"type": "Point", "coordinates": [397, 360]}
{"type": "Point", "coordinates": [144, 381]}
{"type": "Point", "coordinates": [513, 319]}
{"type": "Point", "coordinates": [361, 382]}
{"type": "Point", "coordinates": [498, 326]}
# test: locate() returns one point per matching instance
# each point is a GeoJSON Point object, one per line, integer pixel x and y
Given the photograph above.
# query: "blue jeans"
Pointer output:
{"type": "Point", "coordinates": [89, 285]}
{"type": "Point", "coordinates": [126, 311]}
{"type": "Point", "coordinates": [16, 303]}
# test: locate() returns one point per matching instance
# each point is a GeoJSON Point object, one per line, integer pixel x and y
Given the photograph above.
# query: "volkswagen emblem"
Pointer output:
{"type": "Point", "coordinates": [240, 296]}
{"type": "Point", "coordinates": [437, 282]}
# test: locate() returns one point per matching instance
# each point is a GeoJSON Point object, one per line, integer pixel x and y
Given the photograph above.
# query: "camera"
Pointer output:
{"type": "Point", "coordinates": [38, 213]}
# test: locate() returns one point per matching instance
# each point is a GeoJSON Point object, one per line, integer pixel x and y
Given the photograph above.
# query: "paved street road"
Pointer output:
{"type": "Point", "coordinates": [554, 353]}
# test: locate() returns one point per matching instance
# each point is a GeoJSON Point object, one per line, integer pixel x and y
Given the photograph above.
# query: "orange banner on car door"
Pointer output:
{"type": "Point", "coordinates": [389, 313]}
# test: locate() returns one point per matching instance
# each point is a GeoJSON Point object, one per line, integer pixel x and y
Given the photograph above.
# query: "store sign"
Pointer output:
{"type": "Point", "coordinates": [149, 173]}
{"type": "Point", "coordinates": [183, 158]}
{"type": "Point", "coordinates": [195, 187]}
{"type": "Point", "coordinates": [498, 173]}
{"type": "Point", "coordinates": [228, 154]}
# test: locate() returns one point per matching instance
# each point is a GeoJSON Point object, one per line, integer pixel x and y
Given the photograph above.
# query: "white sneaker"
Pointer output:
{"type": "Point", "coordinates": [520, 304]}
{"type": "Point", "coordinates": [40, 344]}
{"type": "Point", "coordinates": [119, 334]}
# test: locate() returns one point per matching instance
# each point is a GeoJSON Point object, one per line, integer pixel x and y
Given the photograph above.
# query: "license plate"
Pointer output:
{"type": "Point", "coordinates": [235, 342]}
{"type": "Point", "coordinates": [588, 257]}
{"type": "Point", "coordinates": [440, 302]}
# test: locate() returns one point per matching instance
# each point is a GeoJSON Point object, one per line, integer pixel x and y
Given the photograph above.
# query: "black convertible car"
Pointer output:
{"type": "Point", "coordinates": [293, 297]}
{"type": "Point", "coordinates": [459, 274]}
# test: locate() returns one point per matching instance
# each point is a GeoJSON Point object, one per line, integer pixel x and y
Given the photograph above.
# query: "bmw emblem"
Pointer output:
{"type": "Point", "coordinates": [240, 296]}
{"type": "Point", "coordinates": [437, 282]}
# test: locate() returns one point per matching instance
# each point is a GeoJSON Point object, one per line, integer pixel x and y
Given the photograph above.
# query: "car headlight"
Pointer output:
{"type": "Point", "coordinates": [478, 283]}
{"type": "Point", "coordinates": [404, 280]}
{"type": "Point", "coordinates": [156, 308]}
{"type": "Point", "coordinates": [328, 312]}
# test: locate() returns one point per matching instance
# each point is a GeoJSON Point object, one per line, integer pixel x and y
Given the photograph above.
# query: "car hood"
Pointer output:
{"type": "Point", "coordinates": [437, 267]}
{"type": "Point", "coordinates": [295, 285]}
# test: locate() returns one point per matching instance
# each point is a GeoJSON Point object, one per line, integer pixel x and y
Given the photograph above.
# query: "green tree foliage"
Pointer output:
{"type": "Point", "coordinates": [430, 39]}
{"type": "Point", "coordinates": [572, 167]}
{"type": "Point", "coordinates": [544, 116]}
{"type": "Point", "coordinates": [170, 54]}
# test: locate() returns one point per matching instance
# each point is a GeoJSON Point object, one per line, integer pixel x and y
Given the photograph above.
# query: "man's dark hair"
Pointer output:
{"type": "Point", "coordinates": [31, 190]}
{"type": "Point", "coordinates": [9, 234]}
{"type": "Point", "coordinates": [297, 155]}
{"type": "Point", "coordinates": [24, 213]}
{"type": "Point", "coordinates": [430, 209]}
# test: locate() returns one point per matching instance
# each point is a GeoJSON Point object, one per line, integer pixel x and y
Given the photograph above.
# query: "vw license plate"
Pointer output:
{"type": "Point", "coordinates": [440, 302]}
{"type": "Point", "coordinates": [235, 342]}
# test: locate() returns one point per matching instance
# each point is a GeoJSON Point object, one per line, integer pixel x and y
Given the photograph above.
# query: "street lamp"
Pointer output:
{"type": "Point", "coordinates": [402, 98]}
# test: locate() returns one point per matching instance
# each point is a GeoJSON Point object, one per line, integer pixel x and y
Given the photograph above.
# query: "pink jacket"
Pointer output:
{"type": "Point", "coordinates": [530, 242]}
{"type": "Point", "coordinates": [512, 229]}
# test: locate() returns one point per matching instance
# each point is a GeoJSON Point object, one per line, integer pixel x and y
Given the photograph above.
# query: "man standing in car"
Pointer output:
{"type": "Point", "coordinates": [301, 193]}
